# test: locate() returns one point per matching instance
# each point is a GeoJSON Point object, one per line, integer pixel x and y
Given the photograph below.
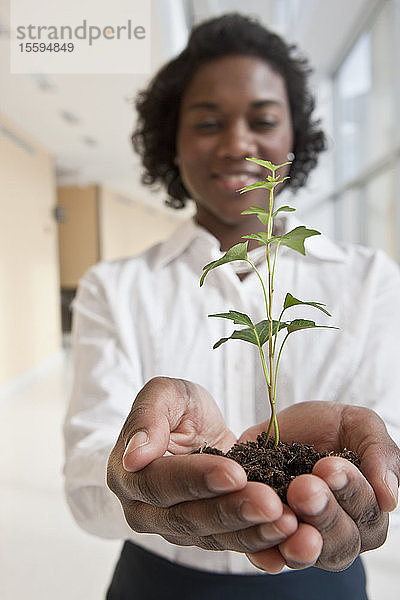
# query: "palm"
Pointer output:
{"type": "Point", "coordinates": [201, 423]}
{"type": "Point", "coordinates": [323, 424]}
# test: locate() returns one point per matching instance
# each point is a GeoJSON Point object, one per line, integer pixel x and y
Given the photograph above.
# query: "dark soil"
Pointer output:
{"type": "Point", "coordinates": [277, 466]}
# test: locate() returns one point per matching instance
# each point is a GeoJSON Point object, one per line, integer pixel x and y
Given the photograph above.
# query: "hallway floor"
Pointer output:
{"type": "Point", "coordinates": [43, 554]}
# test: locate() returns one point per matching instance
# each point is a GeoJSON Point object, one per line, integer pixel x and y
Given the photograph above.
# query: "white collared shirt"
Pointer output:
{"type": "Point", "coordinates": [146, 316]}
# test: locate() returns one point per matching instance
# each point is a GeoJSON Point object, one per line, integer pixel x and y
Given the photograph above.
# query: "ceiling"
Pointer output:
{"type": "Point", "coordinates": [85, 121]}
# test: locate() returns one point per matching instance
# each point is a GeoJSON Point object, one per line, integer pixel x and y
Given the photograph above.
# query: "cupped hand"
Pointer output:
{"type": "Point", "coordinates": [342, 510]}
{"type": "Point", "coordinates": [190, 499]}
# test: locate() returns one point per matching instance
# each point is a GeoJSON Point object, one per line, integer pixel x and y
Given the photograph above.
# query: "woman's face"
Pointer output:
{"type": "Point", "coordinates": [234, 107]}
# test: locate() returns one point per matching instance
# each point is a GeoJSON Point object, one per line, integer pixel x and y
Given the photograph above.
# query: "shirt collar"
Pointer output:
{"type": "Point", "coordinates": [318, 246]}
{"type": "Point", "coordinates": [182, 238]}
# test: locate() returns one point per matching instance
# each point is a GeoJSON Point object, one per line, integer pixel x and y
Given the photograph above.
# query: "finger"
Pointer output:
{"type": "Point", "coordinates": [257, 538]}
{"type": "Point", "coordinates": [366, 434]}
{"type": "Point", "coordinates": [381, 467]}
{"type": "Point", "coordinates": [304, 548]}
{"type": "Point", "coordinates": [356, 497]}
{"type": "Point", "coordinates": [256, 503]}
{"type": "Point", "coordinates": [305, 544]}
{"type": "Point", "coordinates": [249, 540]}
{"type": "Point", "coordinates": [271, 560]}
{"type": "Point", "coordinates": [170, 480]}
{"type": "Point", "coordinates": [315, 505]}
{"type": "Point", "coordinates": [224, 523]}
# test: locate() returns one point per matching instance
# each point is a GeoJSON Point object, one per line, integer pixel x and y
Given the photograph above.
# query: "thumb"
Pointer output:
{"type": "Point", "coordinates": [381, 466]}
{"type": "Point", "coordinates": [380, 456]}
{"type": "Point", "coordinates": [144, 446]}
{"type": "Point", "coordinates": [146, 433]}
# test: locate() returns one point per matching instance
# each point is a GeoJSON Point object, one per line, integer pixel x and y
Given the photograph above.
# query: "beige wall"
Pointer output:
{"type": "Point", "coordinates": [100, 224]}
{"type": "Point", "coordinates": [106, 225]}
{"type": "Point", "coordinates": [78, 233]}
{"type": "Point", "coordinates": [29, 287]}
{"type": "Point", "coordinates": [128, 227]}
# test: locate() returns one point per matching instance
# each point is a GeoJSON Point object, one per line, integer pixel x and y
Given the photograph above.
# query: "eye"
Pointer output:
{"type": "Point", "coordinates": [207, 125]}
{"type": "Point", "coordinates": [266, 123]}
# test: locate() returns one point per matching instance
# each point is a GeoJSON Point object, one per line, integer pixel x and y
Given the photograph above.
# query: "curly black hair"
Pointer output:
{"type": "Point", "coordinates": [158, 106]}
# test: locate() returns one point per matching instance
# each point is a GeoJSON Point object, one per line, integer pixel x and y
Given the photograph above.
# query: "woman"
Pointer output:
{"type": "Point", "coordinates": [141, 328]}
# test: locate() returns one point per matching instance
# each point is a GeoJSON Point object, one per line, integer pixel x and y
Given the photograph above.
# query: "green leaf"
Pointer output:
{"type": "Point", "coordinates": [267, 164]}
{"type": "Point", "coordinates": [264, 163]}
{"type": "Point", "coordinates": [237, 252]}
{"type": "Point", "coordinates": [261, 237]}
{"type": "Point", "coordinates": [261, 213]}
{"type": "Point", "coordinates": [298, 324]}
{"type": "Point", "coordinates": [253, 186]}
{"type": "Point", "coordinates": [279, 181]}
{"type": "Point", "coordinates": [283, 209]}
{"type": "Point", "coordinates": [220, 342]}
{"type": "Point", "coordinates": [295, 239]}
{"type": "Point", "coordinates": [269, 185]}
{"type": "Point", "coordinates": [292, 301]}
{"type": "Point", "coordinates": [237, 317]}
{"type": "Point", "coordinates": [250, 334]}
{"type": "Point", "coordinates": [263, 329]}
{"type": "Point", "coordinates": [247, 335]}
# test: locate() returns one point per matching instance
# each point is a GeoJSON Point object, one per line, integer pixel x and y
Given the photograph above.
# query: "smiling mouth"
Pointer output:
{"type": "Point", "coordinates": [236, 181]}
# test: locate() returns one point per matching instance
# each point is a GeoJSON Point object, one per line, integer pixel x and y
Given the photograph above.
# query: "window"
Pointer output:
{"type": "Point", "coordinates": [367, 162]}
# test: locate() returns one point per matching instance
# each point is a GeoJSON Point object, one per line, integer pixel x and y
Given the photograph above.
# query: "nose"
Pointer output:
{"type": "Point", "coordinates": [236, 141]}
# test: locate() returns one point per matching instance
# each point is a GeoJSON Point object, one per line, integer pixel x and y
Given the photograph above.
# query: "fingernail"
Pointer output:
{"type": "Point", "coordinates": [139, 439]}
{"type": "Point", "coordinates": [314, 504]}
{"type": "Point", "coordinates": [220, 482]}
{"type": "Point", "coordinates": [337, 480]}
{"type": "Point", "coordinates": [393, 485]}
{"type": "Point", "coordinates": [271, 533]}
{"type": "Point", "coordinates": [252, 513]}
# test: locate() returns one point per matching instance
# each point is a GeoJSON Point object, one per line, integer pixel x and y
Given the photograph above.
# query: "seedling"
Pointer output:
{"type": "Point", "coordinates": [268, 331]}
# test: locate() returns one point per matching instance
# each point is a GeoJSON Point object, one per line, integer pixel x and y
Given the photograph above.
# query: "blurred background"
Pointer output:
{"type": "Point", "coordinates": [70, 195]}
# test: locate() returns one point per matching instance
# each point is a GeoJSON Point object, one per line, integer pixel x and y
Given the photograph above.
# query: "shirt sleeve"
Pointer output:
{"type": "Point", "coordinates": [106, 380]}
{"type": "Point", "coordinates": [377, 380]}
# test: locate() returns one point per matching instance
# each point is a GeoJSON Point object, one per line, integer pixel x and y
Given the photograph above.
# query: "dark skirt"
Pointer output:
{"type": "Point", "coordinates": [142, 575]}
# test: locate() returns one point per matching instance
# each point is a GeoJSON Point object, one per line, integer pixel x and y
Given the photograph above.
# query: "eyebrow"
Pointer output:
{"type": "Point", "coordinates": [215, 106]}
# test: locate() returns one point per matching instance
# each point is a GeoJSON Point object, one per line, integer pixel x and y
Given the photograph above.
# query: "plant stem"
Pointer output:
{"type": "Point", "coordinates": [264, 365]}
{"type": "Point", "coordinates": [278, 361]}
{"type": "Point", "coordinates": [271, 387]}
{"type": "Point", "coordinates": [278, 329]}
{"type": "Point", "coordinates": [273, 268]}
